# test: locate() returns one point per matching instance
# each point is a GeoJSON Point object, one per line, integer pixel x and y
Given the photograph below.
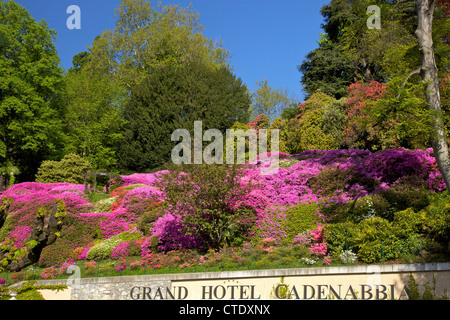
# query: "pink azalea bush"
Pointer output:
{"type": "Point", "coordinates": [329, 177]}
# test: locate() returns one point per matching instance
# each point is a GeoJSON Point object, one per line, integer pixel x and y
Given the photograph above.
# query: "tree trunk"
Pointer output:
{"type": "Point", "coordinates": [424, 9]}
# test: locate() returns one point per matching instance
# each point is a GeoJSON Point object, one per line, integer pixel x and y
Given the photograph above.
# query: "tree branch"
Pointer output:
{"type": "Point", "coordinates": [416, 71]}
{"type": "Point", "coordinates": [392, 15]}
{"type": "Point", "coordinates": [431, 10]}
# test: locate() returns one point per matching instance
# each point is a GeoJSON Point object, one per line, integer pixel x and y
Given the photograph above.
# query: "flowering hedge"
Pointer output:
{"type": "Point", "coordinates": [316, 182]}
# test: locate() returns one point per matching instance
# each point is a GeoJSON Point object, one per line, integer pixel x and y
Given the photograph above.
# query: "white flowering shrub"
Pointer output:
{"type": "Point", "coordinates": [309, 261]}
{"type": "Point", "coordinates": [347, 256]}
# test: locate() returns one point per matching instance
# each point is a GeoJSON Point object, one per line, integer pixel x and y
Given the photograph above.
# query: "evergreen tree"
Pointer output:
{"type": "Point", "coordinates": [173, 98]}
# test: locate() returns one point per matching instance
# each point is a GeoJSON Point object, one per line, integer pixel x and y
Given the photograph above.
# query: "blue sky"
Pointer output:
{"type": "Point", "coordinates": [267, 39]}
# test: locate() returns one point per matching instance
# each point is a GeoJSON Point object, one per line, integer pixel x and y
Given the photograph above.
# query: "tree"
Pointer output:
{"type": "Point", "coordinates": [429, 73]}
{"type": "Point", "coordinates": [269, 101]}
{"type": "Point", "coordinates": [147, 38]}
{"type": "Point", "coordinates": [93, 116]}
{"type": "Point", "coordinates": [173, 98]}
{"type": "Point", "coordinates": [306, 130]}
{"type": "Point", "coordinates": [30, 90]}
{"type": "Point", "coordinates": [327, 69]}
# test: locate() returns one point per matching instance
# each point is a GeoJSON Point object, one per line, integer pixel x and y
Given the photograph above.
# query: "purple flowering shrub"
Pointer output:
{"type": "Point", "coordinates": [310, 189]}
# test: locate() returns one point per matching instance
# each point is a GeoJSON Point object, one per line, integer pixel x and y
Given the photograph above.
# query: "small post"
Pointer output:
{"type": "Point", "coordinates": [281, 257]}
{"type": "Point", "coordinates": [251, 259]}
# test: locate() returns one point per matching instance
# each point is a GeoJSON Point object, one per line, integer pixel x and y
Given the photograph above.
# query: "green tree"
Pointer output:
{"type": "Point", "coordinates": [269, 101]}
{"type": "Point", "coordinates": [70, 169]}
{"type": "Point", "coordinates": [147, 38]}
{"type": "Point", "coordinates": [30, 87]}
{"type": "Point", "coordinates": [173, 98]}
{"type": "Point", "coordinates": [93, 116]}
{"type": "Point", "coordinates": [326, 68]}
{"type": "Point", "coordinates": [306, 131]}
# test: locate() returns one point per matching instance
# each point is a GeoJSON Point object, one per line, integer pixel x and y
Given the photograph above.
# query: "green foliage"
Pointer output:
{"type": "Point", "coordinates": [99, 198]}
{"type": "Point", "coordinates": [376, 240]}
{"type": "Point", "coordinates": [305, 132]}
{"type": "Point", "coordinates": [207, 208]}
{"type": "Point", "coordinates": [104, 249]}
{"type": "Point", "coordinates": [31, 84]}
{"type": "Point", "coordinates": [436, 227]}
{"type": "Point", "coordinates": [283, 291]}
{"type": "Point", "coordinates": [308, 135]}
{"type": "Point", "coordinates": [269, 101]}
{"type": "Point", "coordinates": [173, 98]}
{"type": "Point", "coordinates": [429, 292]}
{"type": "Point", "coordinates": [93, 116]}
{"type": "Point", "coordinates": [70, 169]}
{"type": "Point", "coordinates": [405, 193]}
{"type": "Point", "coordinates": [299, 218]}
{"type": "Point", "coordinates": [29, 291]}
{"type": "Point", "coordinates": [150, 214]}
{"type": "Point", "coordinates": [326, 68]}
{"type": "Point", "coordinates": [340, 236]}
{"type": "Point", "coordinates": [334, 118]}
{"type": "Point", "coordinates": [150, 37]}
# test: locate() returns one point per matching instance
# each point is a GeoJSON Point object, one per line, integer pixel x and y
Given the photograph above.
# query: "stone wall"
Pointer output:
{"type": "Point", "coordinates": [350, 282]}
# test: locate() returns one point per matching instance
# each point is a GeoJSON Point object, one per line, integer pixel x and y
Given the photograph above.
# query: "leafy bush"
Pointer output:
{"type": "Point", "coordinates": [104, 249]}
{"type": "Point", "coordinates": [300, 218]}
{"type": "Point", "coordinates": [208, 210]}
{"type": "Point", "coordinates": [375, 239]}
{"type": "Point", "coordinates": [340, 236]}
{"type": "Point", "coordinates": [152, 212]}
{"type": "Point", "coordinates": [408, 192]}
{"type": "Point", "coordinates": [70, 169]}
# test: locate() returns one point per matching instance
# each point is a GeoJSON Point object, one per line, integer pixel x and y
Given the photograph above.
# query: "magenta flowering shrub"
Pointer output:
{"type": "Point", "coordinates": [120, 251]}
{"type": "Point", "coordinates": [19, 235]}
{"type": "Point", "coordinates": [331, 178]}
{"type": "Point", "coordinates": [168, 229]}
{"type": "Point", "coordinates": [139, 194]}
{"type": "Point", "coordinates": [149, 179]}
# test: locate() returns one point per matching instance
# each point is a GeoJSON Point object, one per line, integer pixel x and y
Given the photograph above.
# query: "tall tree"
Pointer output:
{"type": "Point", "coordinates": [173, 98]}
{"type": "Point", "coordinates": [326, 68]}
{"type": "Point", "coordinates": [269, 101]}
{"type": "Point", "coordinates": [93, 116]}
{"type": "Point", "coordinates": [30, 87]}
{"type": "Point", "coordinates": [428, 71]}
{"type": "Point", "coordinates": [147, 37]}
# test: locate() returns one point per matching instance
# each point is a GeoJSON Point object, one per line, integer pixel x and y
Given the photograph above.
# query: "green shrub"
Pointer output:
{"type": "Point", "coordinates": [429, 292]}
{"type": "Point", "coordinates": [70, 169]}
{"type": "Point", "coordinates": [103, 205]}
{"type": "Point", "coordinates": [370, 235]}
{"type": "Point", "coordinates": [97, 197]}
{"type": "Point", "coordinates": [406, 193]}
{"type": "Point", "coordinates": [340, 236]}
{"type": "Point", "coordinates": [300, 218]}
{"type": "Point", "coordinates": [368, 206]}
{"type": "Point", "coordinates": [329, 180]}
{"type": "Point", "coordinates": [104, 249]}
{"type": "Point", "coordinates": [436, 224]}
{"type": "Point", "coordinates": [56, 253]}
